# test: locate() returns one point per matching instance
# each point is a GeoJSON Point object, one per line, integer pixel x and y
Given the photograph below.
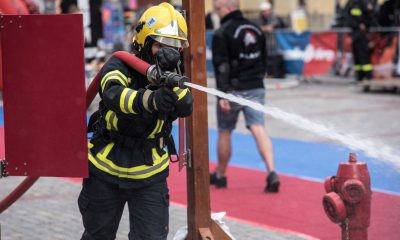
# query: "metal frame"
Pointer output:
{"type": "Point", "coordinates": [3, 168]}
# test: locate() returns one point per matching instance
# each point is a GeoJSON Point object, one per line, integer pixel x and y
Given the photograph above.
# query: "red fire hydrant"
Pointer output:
{"type": "Point", "coordinates": [348, 199]}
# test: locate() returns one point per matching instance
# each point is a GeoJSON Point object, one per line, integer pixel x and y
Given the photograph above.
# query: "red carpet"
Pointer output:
{"type": "Point", "coordinates": [297, 207]}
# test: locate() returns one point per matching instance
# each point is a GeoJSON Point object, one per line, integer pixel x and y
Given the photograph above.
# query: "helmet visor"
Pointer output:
{"type": "Point", "coordinates": [171, 35]}
{"type": "Point", "coordinates": [172, 42]}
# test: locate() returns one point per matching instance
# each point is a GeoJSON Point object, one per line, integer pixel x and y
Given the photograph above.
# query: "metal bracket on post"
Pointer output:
{"type": "Point", "coordinates": [3, 168]}
{"type": "Point", "coordinates": [186, 160]}
{"type": "Point", "coordinates": [206, 234]}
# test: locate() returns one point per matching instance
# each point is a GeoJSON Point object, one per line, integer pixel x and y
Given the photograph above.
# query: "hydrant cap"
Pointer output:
{"type": "Point", "coordinates": [353, 190]}
{"type": "Point", "coordinates": [352, 158]}
{"type": "Point", "coordinates": [334, 207]}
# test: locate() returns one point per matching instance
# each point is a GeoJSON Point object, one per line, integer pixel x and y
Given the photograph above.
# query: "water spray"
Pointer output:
{"type": "Point", "coordinates": [367, 146]}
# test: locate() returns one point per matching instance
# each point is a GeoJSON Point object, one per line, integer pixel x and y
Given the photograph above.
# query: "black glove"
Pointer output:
{"type": "Point", "coordinates": [167, 58]}
{"type": "Point", "coordinates": [163, 100]}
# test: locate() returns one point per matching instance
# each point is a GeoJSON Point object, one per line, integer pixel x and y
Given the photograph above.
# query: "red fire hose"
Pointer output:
{"type": "Point", "coordinates": [132, 61]}
{"type": "Point", "coordinates": [17, 193]}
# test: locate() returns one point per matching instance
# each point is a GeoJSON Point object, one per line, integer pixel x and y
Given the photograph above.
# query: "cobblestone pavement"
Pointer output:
{"type": "Point", "coordinates": [49, 211]}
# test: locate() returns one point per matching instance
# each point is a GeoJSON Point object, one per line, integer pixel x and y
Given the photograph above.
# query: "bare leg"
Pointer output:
{"type": "Point", "coordinates": [224, 151]}
{"type": "Point", "coordinates": [264, 145]}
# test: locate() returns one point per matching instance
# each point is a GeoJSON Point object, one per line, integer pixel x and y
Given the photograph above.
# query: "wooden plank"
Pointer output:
{"type": "Point", "coordinates": [197, 128]}
{"type": "Point", "coordinates": [218, 232]}
{"type": "Point", "coordinates": [198, 179]}
{"type": "Point", "coordinates": [206, 234]}
{"type": "Point", "coordinates": [380, 84]}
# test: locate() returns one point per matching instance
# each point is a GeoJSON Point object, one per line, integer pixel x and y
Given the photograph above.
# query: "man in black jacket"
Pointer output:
{"type": "Point", "coordinates": [239, 59]}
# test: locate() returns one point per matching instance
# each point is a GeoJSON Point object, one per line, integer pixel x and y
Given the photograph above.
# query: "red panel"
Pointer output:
{"type": "Point", "coordinates": [44, 95]}
{"type": "Point", "coordinates": [321, 53]}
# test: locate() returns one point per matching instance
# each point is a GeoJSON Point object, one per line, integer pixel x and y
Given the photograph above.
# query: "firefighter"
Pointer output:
{"type": "Point", "coordinates": [359, 17]}
{"type": "Point", "coordinates": [128, 157]}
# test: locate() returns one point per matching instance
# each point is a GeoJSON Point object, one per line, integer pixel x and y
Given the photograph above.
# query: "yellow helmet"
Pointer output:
{"type": "Point", "coordinates": [164, 24]}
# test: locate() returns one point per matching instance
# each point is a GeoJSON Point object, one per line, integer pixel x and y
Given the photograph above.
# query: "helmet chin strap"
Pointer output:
{"type": "Point", "coordinates": [145, 53]}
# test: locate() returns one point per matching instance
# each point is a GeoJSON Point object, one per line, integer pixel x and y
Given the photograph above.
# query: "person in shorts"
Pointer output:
{"type": "Point", "coordinates": [239, 60]}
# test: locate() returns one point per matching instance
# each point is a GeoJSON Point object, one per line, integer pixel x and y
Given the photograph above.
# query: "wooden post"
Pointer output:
{"type": "Point", "coordinates": [200, 225]}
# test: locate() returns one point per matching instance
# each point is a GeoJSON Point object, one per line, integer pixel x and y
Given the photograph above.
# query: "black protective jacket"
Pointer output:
{"type": "Point", "coordinates": [239, 54]}
{"type": "Point", "coordinates": [128, 146]}
{"type": "Point", "coordinates": [356, 12]}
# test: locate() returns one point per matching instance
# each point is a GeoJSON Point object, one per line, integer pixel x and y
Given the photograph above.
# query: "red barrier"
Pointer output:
{"type": "Point", "coordinates": [49, 69]}
{"type": "Point", "coordinates": [10, 7]}
{"type": "Point", "coordinates": [44, 95]}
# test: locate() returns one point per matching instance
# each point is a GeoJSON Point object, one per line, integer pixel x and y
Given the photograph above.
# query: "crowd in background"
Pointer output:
{"type": "Point", "coordinates": [108, 23]}
{"type": "Point", "coordinates": [382, 19]}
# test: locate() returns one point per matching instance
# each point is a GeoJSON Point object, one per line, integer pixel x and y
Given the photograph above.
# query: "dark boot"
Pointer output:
{"type": "Point", "coordinates": [359, 76]}
{"type": "Point", "coordinates": [272, 182]}
{"type": "Point", "coordinates": [220, 182]}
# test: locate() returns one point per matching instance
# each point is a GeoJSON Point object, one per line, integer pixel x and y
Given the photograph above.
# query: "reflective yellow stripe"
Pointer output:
{"type": "Point", "coordinates": [111, 78]}
{"type": "Point", "coordinates": [126, 100]}
{"type": "Point", "coordinates": [367, 67]}
{"type": "Point", "coordinates": [155, 129]}
{"type": "Point", "coordinates": [114, 120]}
{"type": "Point", "coordinates": [122, 100]}
{"type": "Point", "coordinates": [111, 120]}
{"type": "Point", "coordinates": [356, 12]}
{"type": "Point", "coordinates": [90, 145]}
{"type": "Point", "coordinates": [180, 92]}
{"type": "Point", "coordinates": [160, 127]}
{"type": "Point", "coordinates": [117, 75]}
{"type": "Point", "coordinates": [107, 149]}
{"type": "Point", "coordinates": [108, 114]}
{"type": "Point", "coordinates": [138, 172]}
{"type": "Point", "coordinates": [357, 67]}
{"type": "Point", "coordinates": [156, 158]}
{"type": "Point", "coordinates": [130, 101]}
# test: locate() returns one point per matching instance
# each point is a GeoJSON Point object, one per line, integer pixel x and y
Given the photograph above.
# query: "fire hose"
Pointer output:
{"type": "Point", "coordinates": [139, 65]}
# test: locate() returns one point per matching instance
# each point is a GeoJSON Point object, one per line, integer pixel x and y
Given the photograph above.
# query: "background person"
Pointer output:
{"type": "Point", "coordinates": [238, 49]}
{"type": "Point", "coordinates": [69, 6]}
{"type": "Point", "coordinates": [269, 22]}
{"type": "Point", "coordinates": [128, 161]}
{"type": "Point", "coordinates": [212, 20]}
{"type": "Point", "coordinates": [359, 17]}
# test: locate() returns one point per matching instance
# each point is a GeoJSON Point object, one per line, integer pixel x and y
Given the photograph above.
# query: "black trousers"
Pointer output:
{"type": "Point", "coordinates": [275, 66]}
{"type": "Point", "coordinates": [361, 54]}
{"type": "Point", "coordinates": [101, 205]}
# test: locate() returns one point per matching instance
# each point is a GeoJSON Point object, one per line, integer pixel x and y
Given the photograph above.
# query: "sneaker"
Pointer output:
{"type": "Point", "coordinates": [272, 182]}
{"type": "Point", "coordinates": [218, 182]}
